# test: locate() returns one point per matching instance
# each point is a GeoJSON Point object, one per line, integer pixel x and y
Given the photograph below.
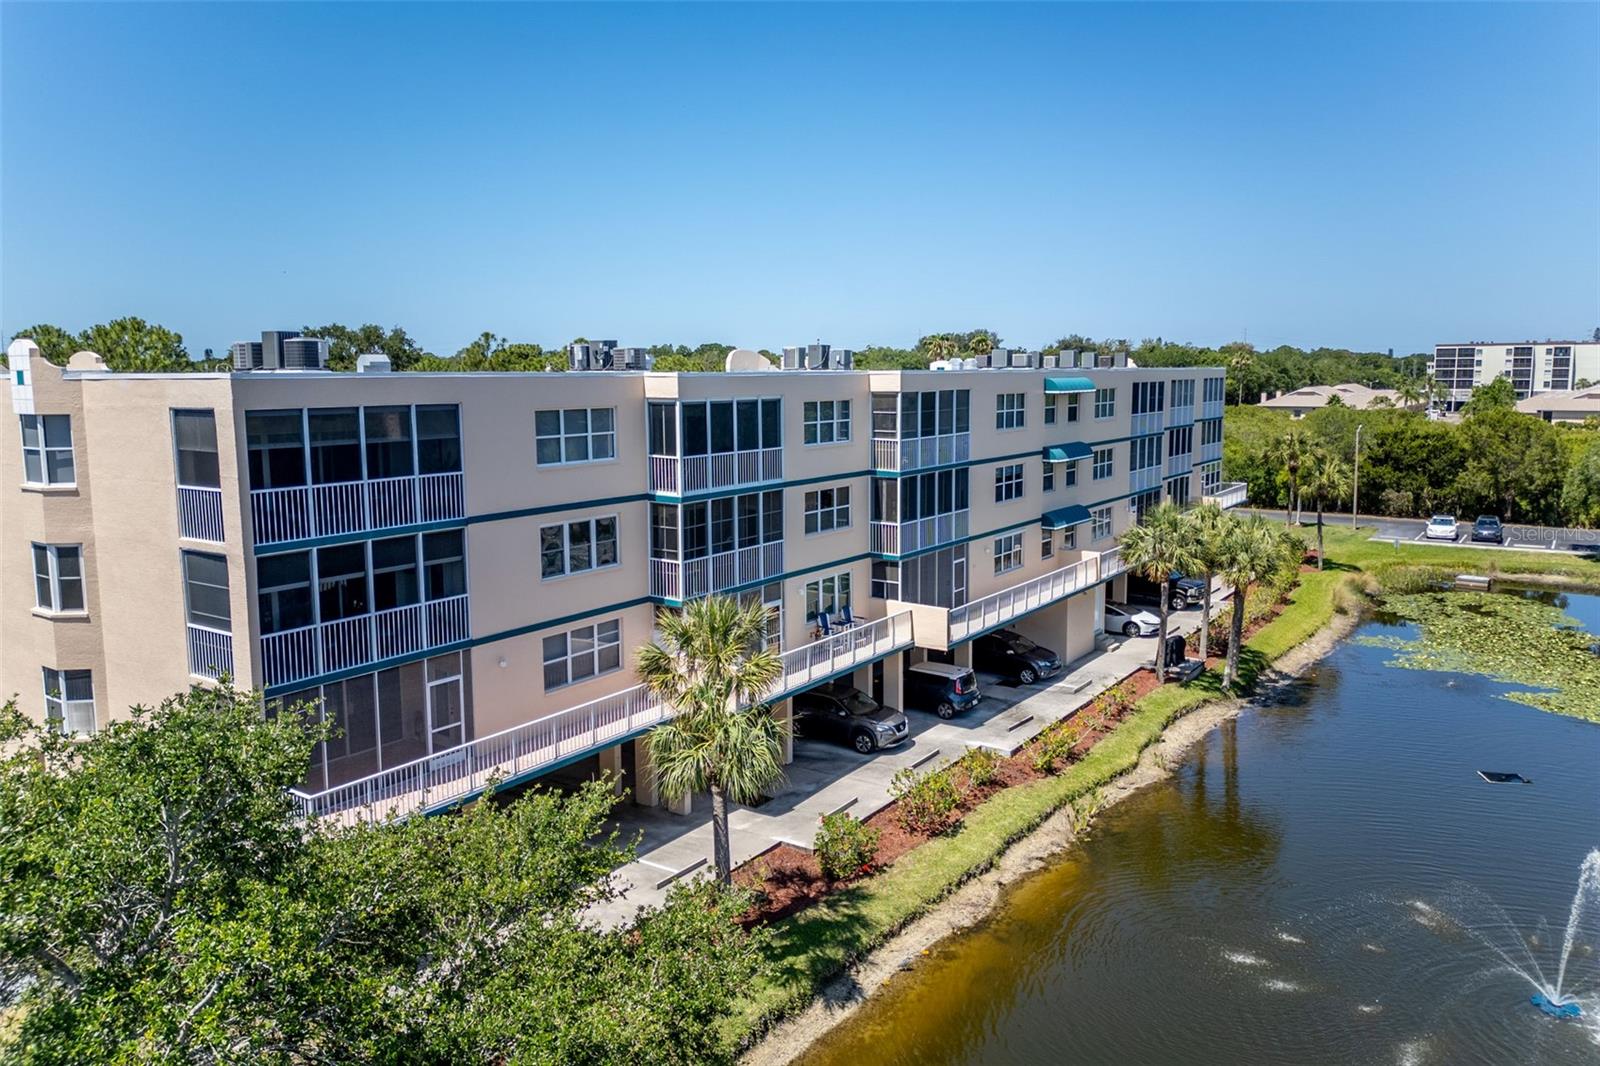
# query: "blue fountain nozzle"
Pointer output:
{"type": "Point", "coordinates": [1554, 1009]}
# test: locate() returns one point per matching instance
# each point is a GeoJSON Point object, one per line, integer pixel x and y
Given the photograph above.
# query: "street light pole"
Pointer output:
{"type": "Point", "coordinates": [1355, 482]}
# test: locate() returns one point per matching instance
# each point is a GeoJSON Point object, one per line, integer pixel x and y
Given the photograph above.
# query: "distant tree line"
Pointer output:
{"type": "Point", "coordinates": [1495, 460]}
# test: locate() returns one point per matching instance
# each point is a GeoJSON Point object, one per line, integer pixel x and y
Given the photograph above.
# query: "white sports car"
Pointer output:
{"type": "Point", "coordinates": [1130, 621]}
{"type": "Point", "coordinates": [1441, 527]}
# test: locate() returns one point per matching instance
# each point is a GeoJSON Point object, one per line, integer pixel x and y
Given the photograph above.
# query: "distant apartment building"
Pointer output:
{"type": "Point", "coordinates": [1572, 405]}
{"type": "Point", "coordinates": [461, 567]}
{"type": "Point", "coordinates": [1302, 402]}
{"type": "Point", "coordinates": [1532, 367]}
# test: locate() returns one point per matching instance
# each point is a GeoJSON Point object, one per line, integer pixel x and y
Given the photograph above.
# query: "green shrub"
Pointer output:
{"type": "Point", "coordinates": [844, 846]}
{"type": "Point", "coordinates": [1054, 746]}
{"type": "Point", "coordinates": [927, 801]}
{"type": "Point", "coordinates": [1410, 579]}
{"type": "Point", "coordinates": [982, 766]}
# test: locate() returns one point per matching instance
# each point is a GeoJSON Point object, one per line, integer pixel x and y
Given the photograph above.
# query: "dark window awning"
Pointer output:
{"type": "Point", "coordinates": [1067, 453]}
{"type": "Point", "coordinates": [1052, 385]}
{"type": "Point", "coordinates": [1065, 517]}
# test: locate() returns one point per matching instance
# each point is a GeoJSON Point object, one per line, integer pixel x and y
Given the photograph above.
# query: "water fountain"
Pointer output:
{"type": "Point", "coordinates": [1557, 998]}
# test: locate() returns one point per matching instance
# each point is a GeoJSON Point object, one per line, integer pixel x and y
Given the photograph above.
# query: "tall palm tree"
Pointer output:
{"type": "Point", "coordinates": [941, 346]}
{"type": "Point", "coordinates": [1255, 550]}
{"type": "Point", "coordinates": [1158, 547]}
{"type": "Point", "coordinates": [1208, 529]}
{"type": "Point", "coordinates": [981, 345]}
{"type": "Point", "coordinates": [1327, 477]}
{"type": "Point", "coordinates": [1291, 451]}
{"type": "Point", "coordinates": [1411, 393]}
{"type": "Point", "coordinates": [1239, 364]}
{"type": "Point", "coordinates": [711, 664]}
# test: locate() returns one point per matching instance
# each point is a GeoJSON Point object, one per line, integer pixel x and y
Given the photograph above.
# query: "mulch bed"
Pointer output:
{"type": "Point", "coordinates": [788, 879]}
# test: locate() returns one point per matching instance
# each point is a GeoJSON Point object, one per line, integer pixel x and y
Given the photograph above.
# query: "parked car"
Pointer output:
{"type": "Point", "coordinates": [848, 716]}
{"type": "Point", "coordinates": [1014, 657]}
{"type": "Point", "coordinates": [1441, 527]}
{"type": "Point", "coordinates": [1488, 528]}
{"type": "Point", "coordinates": [941, 688]}
{"type": "Point", "coordinates": [1130, 621]}
{"type": "Point", "coordinates": [1182, 591]}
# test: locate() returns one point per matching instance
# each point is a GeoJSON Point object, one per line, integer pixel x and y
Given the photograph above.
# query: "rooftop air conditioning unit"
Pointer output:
{"type": "Point", "coordinates": [844, 358]}
{"type": "Point", "coordinates": [1049, 362]}
{"type": "Point", "coordinates": [939, 364]}
{"type": "Point", "coordinates": [969, 363]}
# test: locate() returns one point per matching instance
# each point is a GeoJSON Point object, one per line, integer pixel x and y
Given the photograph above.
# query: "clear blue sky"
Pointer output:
{"type": "Point", "coordinates": [1366, 176]}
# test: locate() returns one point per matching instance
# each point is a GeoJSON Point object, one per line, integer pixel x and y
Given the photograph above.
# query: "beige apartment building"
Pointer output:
{"type": "Point", "coordinates": [460, 567]}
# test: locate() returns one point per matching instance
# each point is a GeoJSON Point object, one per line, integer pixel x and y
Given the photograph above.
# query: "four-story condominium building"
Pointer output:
{"type": "Point", "coordinates": [1532, 367]}
{"type": "Point", "coordinates": [459, 567]}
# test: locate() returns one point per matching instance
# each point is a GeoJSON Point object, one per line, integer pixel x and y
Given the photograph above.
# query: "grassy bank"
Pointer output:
{"type": "Point", "coordinates": [818, 943]}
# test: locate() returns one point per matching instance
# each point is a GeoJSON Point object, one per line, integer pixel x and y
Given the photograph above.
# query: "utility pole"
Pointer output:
{"type": "Point", "coordinates": [1355, 481]}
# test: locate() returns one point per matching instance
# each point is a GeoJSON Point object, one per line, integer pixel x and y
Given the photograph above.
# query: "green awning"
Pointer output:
{"type": "Point", "coordinates": [1067, 453]}
{"type": "Point", "coordinates": [1065, 517]}
{"type": "Point", "coordinates": [1068, 385]}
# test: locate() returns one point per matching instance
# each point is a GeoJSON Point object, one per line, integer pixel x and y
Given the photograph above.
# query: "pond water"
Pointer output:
{"type": "Point", "coordinates": [1324, 882]}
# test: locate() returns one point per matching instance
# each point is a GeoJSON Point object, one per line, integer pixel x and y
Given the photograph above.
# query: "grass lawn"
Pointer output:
{"type": "Point", "coordinates": [814, 945]}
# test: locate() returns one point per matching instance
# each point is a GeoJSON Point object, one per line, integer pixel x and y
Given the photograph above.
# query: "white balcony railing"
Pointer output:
{"type": "Point", "coordinates": [680, 475]}
{"type": "Point", "coordinates": [1228, 494]}
{"type": "Point", "coordinates": [918, 452]}
{"type": "Point", "coordinates": [1210, 453]}
{"type": "Point", "coordinates": [1180, 464]}
{"type": "Point", "coordinates": [1143, 480]}
{"type": "Point", "coordinates": [210, 652]}
{"type": "Point", "coordinates": [1210, 409]}
{"type": "Point", "coordinates": [348, 643]}
{"type": "Point", "coordinates": [672, 579]}
{"type": "Point", "coordinates": [891, 538]}
{"type": "Point", "coordinates": [304, 511]}
{"type": "Point", "coordinates": [1144, 425]}
{"type": "Point", "coordinates": [1111, 563]}
{"type": "Point", "coordinates": [1180, 415]}
{"type": "Point", "coordinates": [1001, 607]}
{"type": "Point", "coordinates": [459, 773]}
{"type": "Point", "coordinates": [200, 513]}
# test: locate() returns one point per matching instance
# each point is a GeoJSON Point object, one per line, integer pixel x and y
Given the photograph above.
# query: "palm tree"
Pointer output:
{"type": "Point", "coordinates": [981, 345]}
{"type": "Point", "coordinates": [711, 664]}
{"type": "Point", "coordinates": [1254, 551]}
{"type": "Point", "coordinates": [940, 346]}
{"type": "Point", "coordinates": [1327, 477]}
{"type": "Point", "coordinates": [1291, 452]}
{"type": "Point", "coordinates": [1239, 364]}
{"type": "Point", "coordinates": [1158, 547]}
{"type": "Point", "coordinates": [1411, 394]}
{"type": "Point", "coordinates": [1208, 530]}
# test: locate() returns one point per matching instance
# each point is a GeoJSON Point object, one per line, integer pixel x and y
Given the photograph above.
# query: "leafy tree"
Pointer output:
{"type": "Point", "coordinates": [1327, 478]}
{"type": "Point", "coordinates": [877, 357]}
{"type": "Point", "coordinates": [1255, 551]}
{"type": "Point", "coordinates": [132, 344]}
{"type": "Point", "coordinates": [1584, 383]}
{"type": "Point", "coordinates": [163, 903]}
{"type": "Point", "coordinates": [346, 342]}
{"type": "Point", "coordinates": [711, 664]}
{"type": "Point", "coordinates": [1498, 394]}
{"type": "Point", "coordinates": [55, 343]}
{"type": "Point", "coordinates": [1512, 464]}
{"type": "Point", "coordinates": [1580, 493]}
{"type": "Point", "coordinates": [1159, 546]}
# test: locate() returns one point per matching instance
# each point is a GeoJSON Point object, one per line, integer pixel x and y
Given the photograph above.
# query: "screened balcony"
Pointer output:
{"type": "Point", "coordinates": [702, 445]}
{"type": "Point", "coordinates": [915, 430]}
{"type": "Point", "coordinates": [716, 545]}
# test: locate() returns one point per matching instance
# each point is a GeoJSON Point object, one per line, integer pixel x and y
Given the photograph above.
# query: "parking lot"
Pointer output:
{"type": "Point", "coordinates": [826, 777]}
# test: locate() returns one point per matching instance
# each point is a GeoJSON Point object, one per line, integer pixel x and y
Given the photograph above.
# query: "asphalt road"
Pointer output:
{"type": "Point", "coordinates": [1523, 538]}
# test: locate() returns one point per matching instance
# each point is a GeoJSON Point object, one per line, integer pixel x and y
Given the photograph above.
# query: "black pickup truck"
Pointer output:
{"type": "Point", "coordinates": [1181, 591]}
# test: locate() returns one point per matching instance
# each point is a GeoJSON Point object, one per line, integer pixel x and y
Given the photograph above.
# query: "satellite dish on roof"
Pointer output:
{"type": "Point", "coordinates": [745, 359]}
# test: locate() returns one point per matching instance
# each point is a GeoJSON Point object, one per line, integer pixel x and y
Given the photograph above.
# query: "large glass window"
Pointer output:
{"type": "Point", "coordinates": [394, 573]}
{"type": "Point", "coordinates": [828, 509]}
{"type": "Point", "coordinates": [47, 457]}
{"type": "Point", "coordinates": [1100, 528]}
{"type": "Point", "coordinates": [276, 447]}
{"type": "Point", "coordinates": [205, 591]}
{"type": "Point", "coordinates": [575, 435]}
{"type": "Point", "coordinates": [342, 582]}
{"type": "Point", "coordinates": [826, 421]}
{"type": "Point", "coordinates": [444, 564]}
{"type": "Point", "coordinates": [1007, 552]}
{"type": "Point", "coordinates": [662, 421]}
{"type": "Point", "coordinates": [1008, 482]}
{"type": "Point", "coordinates": [389, 451]}
{"type": "Point", "coordinates": [1103, 466]}
{"type": "Point", "coordinates": [194, 435]}
{"type": "Point", "coordinates": [58, 577]}
{"type": "Point", "coordinates": [283, 591]}
{"type": "Point", "coordinates": [1010, 410]}
{"type": "Point", "coordinates": [828, 595]}
{"type": "Point", "coordinates": [335, 444]}
{"type": "Point", "coordinates": [573, 547]}
{"type": "Point", "coordinates": [582, 653]}
{"type": "Point", "coordinates": [438, 439]}
{"type": "Point", "coordinates": [69, 700]}
{"type": "Point", "coordinates": [1105, 403]}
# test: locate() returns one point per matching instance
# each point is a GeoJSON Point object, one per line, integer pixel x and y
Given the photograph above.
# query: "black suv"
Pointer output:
{"type": "Point", "coordinates": [1014, 657]}
{"type": "Point", "coordinates": [1487, 528]}
{"type": "Point", "coordinates": [849, 716]}
{"type": "Point", "coordinates": [1181, 591]}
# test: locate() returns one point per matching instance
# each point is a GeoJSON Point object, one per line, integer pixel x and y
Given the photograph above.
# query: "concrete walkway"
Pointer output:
{"type": "Point", "coordinates": [825, 778]}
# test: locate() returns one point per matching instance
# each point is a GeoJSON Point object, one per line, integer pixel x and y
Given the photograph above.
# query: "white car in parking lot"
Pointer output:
{"type": "Point", "coordinates": [1441, 527]}
{"type": "Point", "coordinates": [1130, 621]}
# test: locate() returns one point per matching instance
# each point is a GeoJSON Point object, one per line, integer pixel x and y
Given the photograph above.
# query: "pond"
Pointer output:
{"type": "Point", "coordinates": [1324, 881]}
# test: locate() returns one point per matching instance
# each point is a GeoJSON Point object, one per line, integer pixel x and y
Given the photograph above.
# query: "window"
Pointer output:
{"type": "Point", "coordinates": [662, 419]}
{"type": "Point", "coordinates": [1211, 431]}
{"type": "Point", "coordinates": [1213, 390]}
{"type": "Point", "coordinates": [1047, 544]}
{"type": "Point", "coordinates": [1105, 403]}
{"type": "Point", "coordinates": [438, 439]}
{"type": "Point", "coordinates": [582, 653]}
{"type": "Point", "coordinates": [937, 578]}
{"type": "Point", "coordinates": [69, 700]}
{"type": "Point", "coordinates": [1144, 502]}
{"type": "Point", "coordinates": [828, 509]}
{"type": "Point", "coordinates": [1072, 407]}
{"type": "Point", "coordinates": [1008, 483]}
{"type": "Point", "coordinates": [47, 450]}
{"type": "Point", "coordinates": [919, 496]}
{"type": "Point", "coordinates": [276, 447]}
{"type": "Point", "coordinates": [1050, 410]}
{"type": "Point", "coordinates": [283, 591]}
{"type": "Point", "coordinates": [1069, 538]}
{"type": "Point", "coordinates": [1144, 452]}
{"type": "Point", "coordinates": [58, 577]}
{"type": "Point", "coordinates": [579, 435]}
{"type": "Point", "coordinates": [205, 591]}
{"type": "Point", "coordinates": [1180, 440]}
{"type": "Point", "coordinates": [1147, 397]}
{"type": "Point", "coordinates": [194, 435]}
{"type": "Point", "coordinates": [827, 421]}
{"type": "Point", "coordinates": [885, 580]}
{"type": "Point", "coordinates": [1010, 412]}
{"type": "Point", "coordinates": [444, 564]}
{"type": "Point", "coordinates": [342, 582]}
{"type": "Point", "coordinates": [827, 595]}
{"type": "Point", "coordinates": [1049, 477]}
{"type": "Point", "coordinates": [573, 547]}
{"type": "Point", "coordinates": [932, 414]}
{"type": "Point", "coordinates": [1100, 527]}
{"type": "Point", "coordinates": [394, 573]}
{"type": "Point", "coordinates": [389, 450]}
{"type": "Point", "coordinates": [1210, 478]}
{"type": "Point", "coordinates": [1070, 478]}
{"type": "Point", "coordinates": [1183, 392]}
{"type": "Point", "coordinates": [720, 426]}
{"type": "Point", "coordinates": [1007, 552]}
{"type": "Point", "coordinates": [1102, 463]}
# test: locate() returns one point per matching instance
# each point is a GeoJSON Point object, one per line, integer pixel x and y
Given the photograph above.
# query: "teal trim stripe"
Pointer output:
{"type": "Point", "coordinates": [759, 486]}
